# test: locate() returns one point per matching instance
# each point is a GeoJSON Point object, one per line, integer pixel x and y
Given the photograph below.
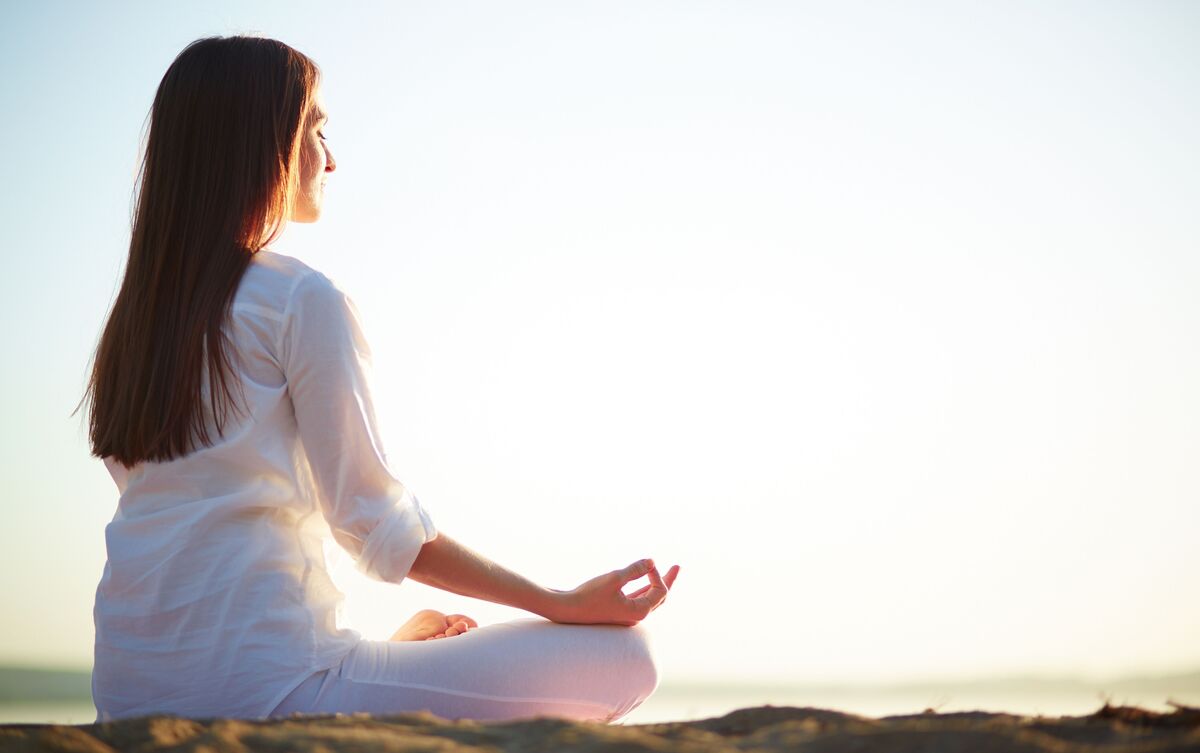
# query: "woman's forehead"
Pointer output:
{"type": "Point", "coordinates": [317, 110]}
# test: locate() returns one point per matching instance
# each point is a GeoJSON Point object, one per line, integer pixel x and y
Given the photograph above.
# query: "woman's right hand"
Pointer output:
{"type": "Point", "coordinates": [601, 600]}
{"type": "Point", "coordinates": [446, 564]}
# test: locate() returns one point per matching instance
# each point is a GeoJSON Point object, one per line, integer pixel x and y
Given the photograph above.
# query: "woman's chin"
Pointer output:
{"type": "Point", "coordinates": [307, 216]}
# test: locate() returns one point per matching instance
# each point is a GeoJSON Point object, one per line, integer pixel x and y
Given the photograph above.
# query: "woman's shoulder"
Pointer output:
{"type": "Point", "coordinates": [272, 266]}
{"type": "Point", "coordinates": [273, 279]}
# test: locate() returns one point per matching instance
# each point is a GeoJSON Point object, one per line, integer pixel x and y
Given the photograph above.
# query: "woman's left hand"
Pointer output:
{"type": "Point", "coordinates": [429, 624]}
{"type": "Point", "coordinates": [456, 624]}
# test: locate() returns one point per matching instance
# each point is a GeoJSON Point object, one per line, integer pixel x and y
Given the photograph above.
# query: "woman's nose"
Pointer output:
{"type": "Point", "coordinates": [330, 162]}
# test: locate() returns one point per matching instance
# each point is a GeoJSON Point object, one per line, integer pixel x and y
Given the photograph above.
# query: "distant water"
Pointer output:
{"type": "Point", "coordinates": [37, 696]}
{"type": "Point", "coordinates": [45, 712]}
{"type": "Point", "coordinates": [1022, 697]}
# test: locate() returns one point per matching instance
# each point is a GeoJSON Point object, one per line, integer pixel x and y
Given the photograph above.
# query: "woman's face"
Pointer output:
{"type": "Point", "coordinates": [316, 162]}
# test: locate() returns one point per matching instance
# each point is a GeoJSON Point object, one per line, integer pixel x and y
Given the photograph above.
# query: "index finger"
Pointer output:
{"type": "Point", "coordinates": [652, 594]}
{"type": "Point", "coordinates": [656, 579]}
{"type": "Point", "coordinates": [634, 571]}
{"type": "Point", "coordinates": [668, 579]}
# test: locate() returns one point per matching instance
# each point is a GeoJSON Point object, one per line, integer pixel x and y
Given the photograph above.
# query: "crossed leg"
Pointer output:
{"type": "Point", "coordinates": [508, 670]}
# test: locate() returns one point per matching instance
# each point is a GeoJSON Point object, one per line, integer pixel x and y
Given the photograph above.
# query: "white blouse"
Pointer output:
{"type": "Point", "coordinates": [215, 600]}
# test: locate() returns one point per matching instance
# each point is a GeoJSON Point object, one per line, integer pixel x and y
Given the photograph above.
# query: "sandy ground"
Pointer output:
{"type": "Point", "coordinates": [766, 728]}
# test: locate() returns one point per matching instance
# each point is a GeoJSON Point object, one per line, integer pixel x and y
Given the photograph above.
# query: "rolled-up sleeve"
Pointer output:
{"type": "Point", "coordinates": [327, 364]}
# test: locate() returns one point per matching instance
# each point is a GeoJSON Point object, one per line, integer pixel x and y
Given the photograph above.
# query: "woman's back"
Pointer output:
{"type": "Point", "coordinates": [215, 570]}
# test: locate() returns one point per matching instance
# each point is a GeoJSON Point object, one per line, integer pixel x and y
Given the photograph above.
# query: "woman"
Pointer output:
{"type": "Point", "coordinates": [230, 400]}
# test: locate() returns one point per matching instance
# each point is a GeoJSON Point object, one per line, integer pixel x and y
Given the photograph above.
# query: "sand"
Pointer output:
{"type": "Point", "coordinates": [1112, 729]}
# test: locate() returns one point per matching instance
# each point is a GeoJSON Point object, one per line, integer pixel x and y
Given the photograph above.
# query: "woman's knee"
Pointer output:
{"type": "Point", "coordinates": [613, 666]}
{"type": "Point", "coordinates": [638, 661]}
{"type": "Point", "coordinates": [635, 666]}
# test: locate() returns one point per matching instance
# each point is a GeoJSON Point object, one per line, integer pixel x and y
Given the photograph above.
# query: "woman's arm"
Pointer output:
{"type": "Point", "coordinates": [326, 362]}
{"type": "Point", "coordinates": [446, 564]}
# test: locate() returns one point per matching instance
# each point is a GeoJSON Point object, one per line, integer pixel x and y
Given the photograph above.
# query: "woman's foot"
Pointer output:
{"type": "Point", "coordinates": [430, 624]}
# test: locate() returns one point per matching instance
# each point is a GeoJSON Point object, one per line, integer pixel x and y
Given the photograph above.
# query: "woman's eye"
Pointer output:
{"type": "Point", "coordinates": [320, 135]}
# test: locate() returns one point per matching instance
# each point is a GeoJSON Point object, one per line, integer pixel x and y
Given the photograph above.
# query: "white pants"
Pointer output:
{"type": "Point", "coordinates": [508, 670]}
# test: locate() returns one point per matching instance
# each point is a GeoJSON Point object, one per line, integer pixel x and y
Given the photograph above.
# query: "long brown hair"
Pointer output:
{"type": "Point", "coordinates": [217, 181]}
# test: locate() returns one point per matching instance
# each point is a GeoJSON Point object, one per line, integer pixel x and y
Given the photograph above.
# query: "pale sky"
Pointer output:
{"type": "Point", "coordinates": [880, 319]}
